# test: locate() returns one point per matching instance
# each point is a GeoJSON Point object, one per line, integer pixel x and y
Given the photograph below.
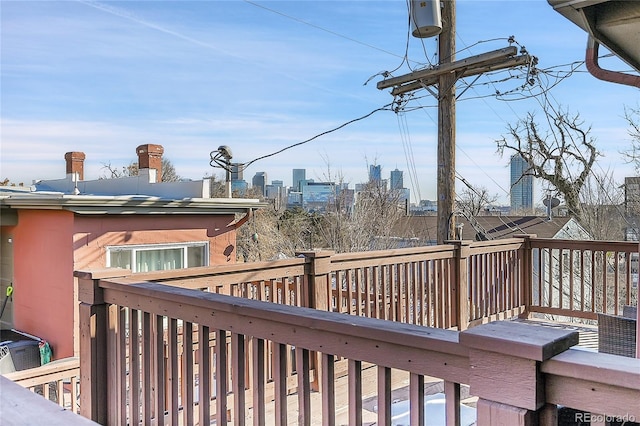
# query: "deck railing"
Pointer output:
{"type": "Point", "coordinates": [580, 279]}
{"type": "Point", "coordinates": [517, 371]}
{"type": "Point", "coordinates": [57, 381]}
{"type": "Point", "coordinates": [458, 284]}
{"type": "Point", "coordinates": [451, 286]}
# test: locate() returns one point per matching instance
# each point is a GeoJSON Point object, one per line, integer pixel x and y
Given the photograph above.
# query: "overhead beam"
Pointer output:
{"type": "Point", "coordinates": [467, 72]}
{"type": "Point", "coordinates": [472, 61]}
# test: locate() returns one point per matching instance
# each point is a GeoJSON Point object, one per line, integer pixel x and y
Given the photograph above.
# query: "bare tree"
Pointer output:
{"type": "Point", "coordinates": [473, 201]}
{"type": "Point", "coordinates": [8, 182]}
{"type": "Point", "coordinates": [562, 154]}
{"type": "Point", "coordinates": [632, 154]}
{"type": "Point", "coordinates": [602, 200]}
{"type": "Point", "coordinates": [270, 234]}
{"type": "Point", "coordinates": [169, 173]}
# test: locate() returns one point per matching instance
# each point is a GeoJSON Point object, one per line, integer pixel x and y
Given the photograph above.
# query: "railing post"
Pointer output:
{"type": "Point", "coordinates": [317, 293]}
{"type": "Point", "coordinates": [93, 331]}
{"type": "Point", "coordinates": [461, 282]}
{"type": "Point", "coordinates": [526, 273]}
{"type": "Point", "coordinates": [505, 359]}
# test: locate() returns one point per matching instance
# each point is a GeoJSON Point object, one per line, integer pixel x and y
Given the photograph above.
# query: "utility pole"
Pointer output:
{"type": "Point", "coordinates": [446, 175]}
{"type": "Point", "coordinates": [445, 76]}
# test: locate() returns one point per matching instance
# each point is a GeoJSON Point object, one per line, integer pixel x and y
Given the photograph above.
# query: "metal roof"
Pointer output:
{"type": "Point", "coordinates": [125, 204]}
{"type": "Point", "coordinates": [615, 24]}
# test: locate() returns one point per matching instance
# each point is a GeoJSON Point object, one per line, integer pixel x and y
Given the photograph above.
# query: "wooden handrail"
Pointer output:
{"type": "Point", "coordinates": [595, 382]}
{"type": "Point", "coordinates": [515, 354]}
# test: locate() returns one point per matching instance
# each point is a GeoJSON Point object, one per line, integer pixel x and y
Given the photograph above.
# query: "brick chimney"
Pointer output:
{"type": "Point", "coordinates": [150, 157]}
{"type": "Point", "coordinates": [75, 163]}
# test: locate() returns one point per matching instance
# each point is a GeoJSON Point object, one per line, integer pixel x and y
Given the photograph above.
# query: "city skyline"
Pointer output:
{"type": "Point", "coordinates": [283, 84]}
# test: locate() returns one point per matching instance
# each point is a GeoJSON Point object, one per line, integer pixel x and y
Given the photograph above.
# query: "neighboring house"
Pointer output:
{"type": "Point", "coordinates": [423, 229]}
{"type": "Point", "coordinates": [136, 223]}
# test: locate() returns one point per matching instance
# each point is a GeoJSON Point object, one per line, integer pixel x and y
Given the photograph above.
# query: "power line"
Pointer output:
{"type": "Point", "coordinates": [383, 108]}
{"type": "Point", "coordinates": [318, 27]}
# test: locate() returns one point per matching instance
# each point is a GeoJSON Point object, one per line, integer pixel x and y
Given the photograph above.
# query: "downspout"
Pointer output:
{"type": "Point", "coordinates": [606, 75]}
{"type": "Point", "coordinates": [238, 223]}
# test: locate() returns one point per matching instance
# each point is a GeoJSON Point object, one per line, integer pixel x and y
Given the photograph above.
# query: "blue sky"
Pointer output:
{"type": "Point", "coordinates": [105, 77]}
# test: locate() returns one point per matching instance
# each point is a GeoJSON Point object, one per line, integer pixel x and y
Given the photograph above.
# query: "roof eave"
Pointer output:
{"type": "Point", "coordinates": [132, 205]}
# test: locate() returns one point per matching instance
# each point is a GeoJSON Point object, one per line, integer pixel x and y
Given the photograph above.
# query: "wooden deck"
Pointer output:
{"type": "Point", "coordinates": [413, 314]}
{"type": "Point", "coordinates": [399, 393]}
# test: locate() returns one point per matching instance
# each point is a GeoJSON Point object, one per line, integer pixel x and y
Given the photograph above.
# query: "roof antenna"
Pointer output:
{"type": "Point", "coordinates": [550, 203]}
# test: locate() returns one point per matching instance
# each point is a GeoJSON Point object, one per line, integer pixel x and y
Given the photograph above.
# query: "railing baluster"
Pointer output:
{"type": "Point", "coordinates": [160, 377]}
{"type": "Point", "coordinates": [452, 403]}
{"type": "Point", "coordinates": [350, 293]}
{"type": "Point", "coordinates": [114, 366]}
{"type": "Point", "coordinates": [304, 386]}
{"type": "Point", "coordinates": [188, 382]}
{"type": "Point", "coordinates": [428, 304]}
{"type": "Point", "coordinates": [616, 284]}
{"type": "Point", "coordinates": [328, 390]}
{"type": "Point", "coordinates": [593, 281]}
{"type": "Point", "coordinates": [627, 299]}
{"type": "Point", "coordinates": [369, 294]}
{"type": "Point", "coordinates": [571, 279]}
{"type": "Point", "coordinates": [394, 292]}
{"type": "Point", "coordinates": [204, 375]}
{"type": "Point", "coordinates": [171, 399]}
{"type": "Point", "coordinates": [355, 391]}
{"type": "Point", "coordinates": [280, 383]}
{"type": "Point", "coordinates": [361, 296]}
{"type": "Point", "coordinates": [147, 385]}
{"type": "Point", "coordinates": [74, 395]}
{"type": "Point", "coordinates": [605, 305]}
{"type": "Point", "coordinates": [378, 292]}
{"type": "Point", "coordinates": [550, 277]}
{"type": "Point", "coordinates": [560, 278]}
{"type": "Point", "coordinates": [221, 377]}
{"type": "Point", "coordinates": [583, 279]}
{"type": "Point", "coordinates": [416, 398]}
{"type": "Point", "coordinates": [121, 363]}
{"type": "Point", "coordinates": [258, 381]}
{"type": "Point", "coordinates": [134, 360]}
{"type": "Point", "coordinates": [384, 396]}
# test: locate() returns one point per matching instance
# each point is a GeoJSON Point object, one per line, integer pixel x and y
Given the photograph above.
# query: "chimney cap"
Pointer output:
{"type": "Point", "coordinates": [74, 155]}
{"type": "Point", "coordinates": [150, 148]}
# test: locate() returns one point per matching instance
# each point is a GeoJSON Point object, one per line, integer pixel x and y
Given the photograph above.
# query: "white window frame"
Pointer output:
{"type": "Point", "coordinates": [163, 246]}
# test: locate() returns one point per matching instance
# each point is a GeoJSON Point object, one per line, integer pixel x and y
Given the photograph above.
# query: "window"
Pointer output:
{"type": "Point", "coordinates": [158, 257]}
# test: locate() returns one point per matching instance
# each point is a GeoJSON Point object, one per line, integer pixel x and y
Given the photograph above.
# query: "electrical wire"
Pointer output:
{"type": "Point", "coordinates": [326, 132]}
{"type": "Point", "coordinates": [318, 27]}
{"type": "Point", "coordinates": [559, 77]}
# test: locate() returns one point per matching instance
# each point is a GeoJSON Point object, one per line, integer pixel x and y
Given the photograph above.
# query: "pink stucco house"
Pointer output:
{"type": "Point", "coordinates": [136, 223]}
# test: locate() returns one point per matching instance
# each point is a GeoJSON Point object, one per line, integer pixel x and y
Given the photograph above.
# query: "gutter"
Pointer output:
{"type": "Point", "coordinates": [606, 75]}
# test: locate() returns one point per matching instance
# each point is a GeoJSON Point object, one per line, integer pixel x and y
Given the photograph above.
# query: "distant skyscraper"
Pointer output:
{"type": "Point", "coordinates": [239, 186]}
{"type": "Point", "coordinates": [397, 181]}
{"type": "Point", "coordinates": [375, 173]}
{"type": "Point", "coordinates": [298, 176]}
{"type": "Point", "coordinates": [521, 185]}
{"type": "Point", "coordinates": [632, 195]}
{"type": "Point", "coordinates": [237, 171]}
{"type": "Point", "coordinates": [260, 181]}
